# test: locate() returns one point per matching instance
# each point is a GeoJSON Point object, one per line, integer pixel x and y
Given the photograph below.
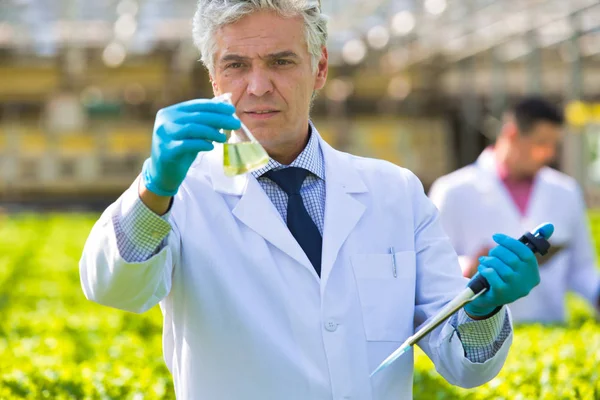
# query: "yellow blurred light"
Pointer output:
{"type": "Point", "coordinates": [577, 113]}
{"type": "Point", "coordinates": [378, 37]}
{"type": "Point", "coordinates": [435, 7]}
{"type": "Point", "coordinates": [114, 55]}
{"type": "Point", "coordinates": [354, 51]}
{"type": "Point", "coordinates": [125, 27]}
{"type": "Point", "coordinates": [403, 23]}
{"type": "Point", "coordinates": [595, 111]}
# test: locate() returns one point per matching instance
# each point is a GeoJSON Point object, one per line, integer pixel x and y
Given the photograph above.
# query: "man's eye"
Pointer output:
{"type": "Point", "coordinates": [282, 62]}
{"type": "Point", "coordinates": [234, 65]}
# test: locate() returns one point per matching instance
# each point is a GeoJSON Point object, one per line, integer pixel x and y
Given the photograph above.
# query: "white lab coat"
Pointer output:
{"type": "Point", "coordinates": [474, 204]}
{"type": "Point", "coordinates": [246, 316]}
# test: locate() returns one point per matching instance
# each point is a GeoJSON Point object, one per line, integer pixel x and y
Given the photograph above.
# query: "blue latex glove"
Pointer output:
{"type": "Point", "coordinates": [511, 270]}
{"type": "Point", "coordinates": [180, 132]}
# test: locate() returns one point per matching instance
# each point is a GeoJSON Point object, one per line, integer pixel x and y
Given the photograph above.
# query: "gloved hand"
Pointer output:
{"type": "Point", "coordinates": [511, 270]}
{"type": "Point", "coordinates": [180, 132]}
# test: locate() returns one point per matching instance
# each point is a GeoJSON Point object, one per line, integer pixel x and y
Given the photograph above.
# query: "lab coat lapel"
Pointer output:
{"type": "Point", "coordinates": [256, 210]}
{"type": "Point", "coordinates": [342, 210]}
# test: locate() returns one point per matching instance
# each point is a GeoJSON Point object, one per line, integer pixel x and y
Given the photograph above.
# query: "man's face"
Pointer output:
{"type": "Point", "coordinates": [263, 60]}
{"type": "Point", "coordinates": [536, 148]}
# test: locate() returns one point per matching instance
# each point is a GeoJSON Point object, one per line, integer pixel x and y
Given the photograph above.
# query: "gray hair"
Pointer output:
{"type": "Point", "coordinates": [213, 14]}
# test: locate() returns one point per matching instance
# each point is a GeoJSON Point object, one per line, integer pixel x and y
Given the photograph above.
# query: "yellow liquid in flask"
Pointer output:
{"type": "Point", "coordinates": [240, 158]}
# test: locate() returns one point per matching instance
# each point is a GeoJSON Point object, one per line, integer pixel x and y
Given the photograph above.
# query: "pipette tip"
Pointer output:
{"type": "Point", "coordinates": [388, 361]}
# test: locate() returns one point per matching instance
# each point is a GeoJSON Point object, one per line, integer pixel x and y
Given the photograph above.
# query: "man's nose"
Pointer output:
{"type": "Point", "coordinates": [259, 82]}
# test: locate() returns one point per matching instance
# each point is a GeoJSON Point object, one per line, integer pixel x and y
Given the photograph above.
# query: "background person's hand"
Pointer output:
{"type": "Point", "coordinates": [180, 132]}
{"type": "Point", "coordinates": [511, 270]}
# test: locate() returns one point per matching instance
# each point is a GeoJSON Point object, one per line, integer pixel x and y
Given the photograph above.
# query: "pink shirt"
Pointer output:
{"type": "Point", "coordinates": [519, 189]}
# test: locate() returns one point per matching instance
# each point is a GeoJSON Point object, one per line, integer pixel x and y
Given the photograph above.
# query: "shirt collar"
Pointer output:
{"type": "Point", "coordinates": [311, 158]}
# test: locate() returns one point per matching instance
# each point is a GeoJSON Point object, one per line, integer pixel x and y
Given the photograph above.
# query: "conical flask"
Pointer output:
{"type": "Point", "coordinates": [242, 153]}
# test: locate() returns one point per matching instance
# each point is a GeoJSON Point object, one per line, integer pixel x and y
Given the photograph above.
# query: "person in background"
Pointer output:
{"type": "Point", "coordinates": [296, 280]}
{"type": "Point", "coordinates": [511, 188]}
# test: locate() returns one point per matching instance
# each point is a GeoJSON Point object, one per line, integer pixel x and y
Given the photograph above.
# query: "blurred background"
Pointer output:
{"type": "Point", "coordinates": [419, 83]}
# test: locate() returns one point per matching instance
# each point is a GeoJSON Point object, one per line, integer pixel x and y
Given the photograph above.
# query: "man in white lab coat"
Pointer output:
{"type": "Point", "coordinates": [296, 280]}
{"type": "Point", "coordinates": [510, 187]}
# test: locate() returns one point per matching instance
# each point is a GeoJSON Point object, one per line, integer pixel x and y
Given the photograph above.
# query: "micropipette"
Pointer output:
{"type": "Point", "coordinates": [536, 242]}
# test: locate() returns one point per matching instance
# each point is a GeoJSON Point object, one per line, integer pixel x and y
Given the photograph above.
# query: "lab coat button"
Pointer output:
{"type": "Point", "coordinates": [331, 326]}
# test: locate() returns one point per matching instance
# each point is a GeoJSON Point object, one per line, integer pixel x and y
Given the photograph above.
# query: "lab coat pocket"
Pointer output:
{"type": "Point", "coordinates": [386, 288]}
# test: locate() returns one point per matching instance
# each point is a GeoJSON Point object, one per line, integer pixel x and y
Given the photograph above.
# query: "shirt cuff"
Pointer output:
{"type": "Point", "coordinates": [481, 339]}
{"type": "Point", "coordinates": [140, 232]}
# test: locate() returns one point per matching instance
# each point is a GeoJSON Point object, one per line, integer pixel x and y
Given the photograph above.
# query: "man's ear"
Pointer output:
{"type": "Point", "coordinates": [215, 88]}
{"type": "Point", "coordinates": [510, 130]}
{"type": "Point", "coordinates": [322, 69]}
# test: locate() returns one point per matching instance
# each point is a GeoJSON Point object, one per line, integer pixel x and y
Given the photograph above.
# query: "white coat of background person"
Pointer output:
{"type": "Point", "coordinates": [251, 311]}
{"type": "Point", "coordinates": [511, 187]}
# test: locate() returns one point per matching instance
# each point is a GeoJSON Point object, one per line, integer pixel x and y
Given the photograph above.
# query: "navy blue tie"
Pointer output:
{"type": "Point", "coordinates": [299, 221]}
